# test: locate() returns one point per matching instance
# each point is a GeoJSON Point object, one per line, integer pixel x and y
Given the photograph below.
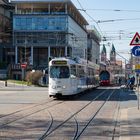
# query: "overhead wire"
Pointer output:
{"type": "Point", "coordinates": [114, 10]}
{"type": "Point", "coordinates": [98, 27]}
{"type": "Point", "coordinates": [97, 22]}
{"type": "Point", "coordinates": [113, 20]}
{"type": "Point", "coordinates": [82, 9]}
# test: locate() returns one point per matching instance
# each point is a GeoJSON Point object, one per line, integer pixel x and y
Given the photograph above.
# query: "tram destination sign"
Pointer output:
{"type": "Point", "coordinates": [59, 62]}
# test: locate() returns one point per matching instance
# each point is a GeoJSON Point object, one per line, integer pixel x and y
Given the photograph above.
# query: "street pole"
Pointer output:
{"type": "Point", "coordinates": [25, 49]}
{"type": "Point", "coordinates": [138, 89]}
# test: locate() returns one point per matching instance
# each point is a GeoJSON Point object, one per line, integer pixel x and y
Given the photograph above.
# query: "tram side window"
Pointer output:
{"type": "Point", "coordinates": [80, 71]}
{"type": "Point", "coordinates": [73, 71]}
{"type": "Point", "coordinates": [88, 71]}
{"type": "Point", "coordinates": [91, 72]}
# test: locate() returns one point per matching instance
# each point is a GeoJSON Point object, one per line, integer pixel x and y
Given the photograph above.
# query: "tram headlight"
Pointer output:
{"type": "Point", "coordinates": [54, 87]}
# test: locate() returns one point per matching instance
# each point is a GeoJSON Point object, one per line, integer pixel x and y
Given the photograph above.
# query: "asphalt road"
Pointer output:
{"type": "Point", "coordinates": [29, 113]}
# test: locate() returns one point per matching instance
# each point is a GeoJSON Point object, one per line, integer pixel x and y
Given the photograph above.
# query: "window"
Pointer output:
{"type": "Point", "coordinates": [59, 72]}
{"type": "Point", "coordinates": [40, 23]}
{"type": "Point", "coordinates": [73, 71]}
{"type": "Point", "coordinates": [80, 71]}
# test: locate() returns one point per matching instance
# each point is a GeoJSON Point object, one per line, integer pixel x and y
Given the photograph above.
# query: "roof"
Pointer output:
{"type": "Point", "coordinates": [17, 1]}
{"type": "Point", "coordinates": [113, 49]}
{"type": "Point", "coordinates": [119, 62]}
{"type": "Point", "coordinates": [104, 49]}
{"type": "Point", "coordinates": [69, 2]}
{"type": "Point", "coordinates": [103, 63]}
{"type": "Point", "coordinates": [77, 61]}
{"type": "Point", "coordinates": [5, 4]}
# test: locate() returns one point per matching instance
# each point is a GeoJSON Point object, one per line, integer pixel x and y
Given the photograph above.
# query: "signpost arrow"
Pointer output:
{"type": "Point", "coordinates": [136, 50]}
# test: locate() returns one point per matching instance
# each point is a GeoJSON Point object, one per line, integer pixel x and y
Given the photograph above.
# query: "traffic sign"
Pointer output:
{"type": "Point", "coordinates": [135, 40]}
{"type": "Point", "coordinates": [136, 50]}
{"type": "Point", "coordinates": [23, 66]}
{"type": "Point", "coordinates": [128, 66]}
{"type": "Point", "coordinates": [137, 71]}
{"type": "Point", "coordinates": [137, 68]}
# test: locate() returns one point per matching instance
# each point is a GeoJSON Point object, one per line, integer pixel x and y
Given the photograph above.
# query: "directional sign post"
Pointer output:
{"type": "Point", "coordinates": [137, 68]}
{"type": "Point", "coordinates": [136, 51]}
{"type": "Point", "coordinates": [138, 90]}
{"type": "Point", "coordinates": [23, 67]}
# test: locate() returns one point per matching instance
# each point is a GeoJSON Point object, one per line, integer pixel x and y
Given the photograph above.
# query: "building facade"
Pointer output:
{"type": "Point", "coordinates": [6, 48]}
{"type": "Point", "coordinates": [103, 54]}
{"type": "Point", "coordinates": [44, 29]}
{"type": "Point", "coordinates": [113, 55]}
{"type": "Point", "coordinates": [113, 65]}
{"type": "Point", "coordinates": [93, 50]}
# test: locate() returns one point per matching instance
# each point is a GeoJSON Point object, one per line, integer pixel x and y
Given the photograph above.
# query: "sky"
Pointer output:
{"type": "Point", "coordinates": [126, 21]}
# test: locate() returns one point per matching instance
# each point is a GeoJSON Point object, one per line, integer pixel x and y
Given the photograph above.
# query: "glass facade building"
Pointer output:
{"type": "Point", "coordinates": [39, 23]}
{"type": "Point", "coordinates": [39, 33]}
{"type": "Point", "coordinates": [6, 48]}
{"type": "Point", "coordinates": [44, 29]}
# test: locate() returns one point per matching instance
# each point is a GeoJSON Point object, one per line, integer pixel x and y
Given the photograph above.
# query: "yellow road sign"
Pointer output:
{"type": "Point", "coordinates": [137, 66]}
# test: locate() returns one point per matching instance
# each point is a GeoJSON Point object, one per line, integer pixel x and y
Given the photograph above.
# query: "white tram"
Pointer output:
{"type": "Point", "coordinates": [71, 76]}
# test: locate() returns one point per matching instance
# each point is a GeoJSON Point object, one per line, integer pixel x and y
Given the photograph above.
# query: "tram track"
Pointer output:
{"type": "Point", "coordinates": [50, 129]}
{"type": "Point", "coordinates": [48, 133]}
{"type": "Point", "coordinates": [77, 136]}
{"type": "Point", "coordinates": [25, 108]}
{"type": "Point", "coordinates": [23, 116]}
{"type": "Point", "coordinates": [116, 119]}
{"type": "Point", "coordinates": [110, 132]}
{"type": "Point", "coordinates": [78, 132]}
{"type": "Point", "coordinates": [8, 119]}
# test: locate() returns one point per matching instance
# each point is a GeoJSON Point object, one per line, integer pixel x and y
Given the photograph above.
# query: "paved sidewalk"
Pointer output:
{"type": "Point", "coordinates": [10, 84]}
{"type": "Point", "coordinates": [15, 87]}
{"type": "Point", "coordinates": [130, 122]}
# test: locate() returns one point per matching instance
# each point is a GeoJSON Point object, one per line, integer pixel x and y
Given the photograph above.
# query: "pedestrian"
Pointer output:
{"type": "Point", "coordinates": [120, 81]}
{"type": "Point", "coordinates": [44, 79]}
{"type": "Point", "coordinates": [132, 82]}
{"type": "Point", "coordinates": [128, 83]}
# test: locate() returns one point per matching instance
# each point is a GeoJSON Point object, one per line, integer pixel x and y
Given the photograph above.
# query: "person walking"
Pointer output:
{"type": "Point", "coordinates": [128, 84]}
{"type": "Point", "coordinates": [120, 81]}
{"type": "Point", "coordinates": [132, 82]}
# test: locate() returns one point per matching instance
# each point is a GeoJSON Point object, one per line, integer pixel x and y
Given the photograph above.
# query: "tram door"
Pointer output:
{"type": "Point", "coordinates": [73, 77]}
{"type": "Point", "coordinates": [74, 83]}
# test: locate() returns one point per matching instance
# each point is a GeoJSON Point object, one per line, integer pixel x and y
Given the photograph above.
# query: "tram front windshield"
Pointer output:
{"type": "Point", "coordinates": [59, 72]}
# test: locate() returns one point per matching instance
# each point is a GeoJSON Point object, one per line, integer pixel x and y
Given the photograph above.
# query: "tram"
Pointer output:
{"type": "Point", "coordinates": [104, 78]}
{"type": "Point", "coordinates": [71, 76]}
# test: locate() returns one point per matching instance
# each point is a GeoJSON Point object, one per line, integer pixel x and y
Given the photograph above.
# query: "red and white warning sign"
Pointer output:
{"type": "Point", "coordinates": [136, 40]}
{"type": "Point", "coordinates": [23, 66]}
